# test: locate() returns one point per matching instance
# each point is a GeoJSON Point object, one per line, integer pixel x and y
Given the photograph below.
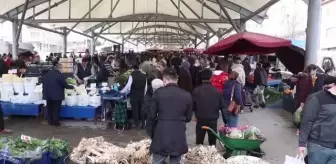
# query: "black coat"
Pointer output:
{"type": "Point", "coordinates": [170, 110]}
{"type": "Point", "coordinates": [208, 101]}
{"type": "Point", "coordinates": [3, 67]}
{"type": "Point", "coordinates": [185, 80]}
{"type": "Point", "coordinates": [260, 76]}
{"type": "Point", "coordinates": [53, 85]}
{"type": "Point", "coordinates": [196, 76]}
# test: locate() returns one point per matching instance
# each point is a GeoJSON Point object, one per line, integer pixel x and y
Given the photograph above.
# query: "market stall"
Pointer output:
{"type": "Point", "coordinates": [20, 96]}
{"type": "Point", "coordinates": [248, 43]}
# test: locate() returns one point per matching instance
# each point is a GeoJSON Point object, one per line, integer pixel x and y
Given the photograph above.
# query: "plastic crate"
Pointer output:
{"type": "Point", "coordinates": [20, 109]}
{"type": "Point", "coordinates": [87, 112]}
{"type": "Point", "coordinates": [4, 159]}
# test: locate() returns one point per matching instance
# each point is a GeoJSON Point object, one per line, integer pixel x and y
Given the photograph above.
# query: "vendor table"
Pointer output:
{"type": "Point", "coordinates": [21, 109]}
{"type": "Point", "coordinates": [109, 97]}
{"type": "Point", "coordinates": [87, 112]}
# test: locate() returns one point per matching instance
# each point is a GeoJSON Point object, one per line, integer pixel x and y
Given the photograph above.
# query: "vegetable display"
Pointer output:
{"type": "Point", "coordinates": [26, 147]}
{"type": "Point", "coordinates": [244, 132]}
{"type": "Point", "coordinates": [203, 155]}
{"type": "Point", "coordinates": [97, 150]}
{"type": "Point", "coordinates": [243, 159]}
{"type": "Point", "coordinates": [71, 81]}
{"type": "Point", "coordinates": [58, 148]}
{"type": "Point", "coordinates": [272, 95]}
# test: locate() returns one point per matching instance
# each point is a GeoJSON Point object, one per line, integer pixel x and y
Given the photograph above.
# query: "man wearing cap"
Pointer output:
{"type": "Point", "coordinates": [83, 71]}
{"type": "Point", "coordinates": [318, 126]}
{"type": "Point", "coordinates": [207, 102]}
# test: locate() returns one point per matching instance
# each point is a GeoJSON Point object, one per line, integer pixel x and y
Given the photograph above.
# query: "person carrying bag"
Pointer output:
{"type": "Point", "coordinates": [232, 95]}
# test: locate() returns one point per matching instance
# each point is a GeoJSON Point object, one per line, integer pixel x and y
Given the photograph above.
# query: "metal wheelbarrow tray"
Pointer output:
{"type": "Point", "coordinates": [237, 146]}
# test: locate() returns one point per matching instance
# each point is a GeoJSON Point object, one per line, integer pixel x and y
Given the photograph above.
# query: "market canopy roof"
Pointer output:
{"type": "Point", "coordinates": [188, 19]}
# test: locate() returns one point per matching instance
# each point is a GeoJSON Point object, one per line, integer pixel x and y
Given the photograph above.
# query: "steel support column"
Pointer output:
{"type": "Point", "coordinates": [93, 42]}
{"type": "Point", "coordinates": [228, 16]}
{"type": "Point", "coordinates": [242, 26]}
{"type": "Point", "coordinates": [21, 21]}
{"type": "Point", "coordinates": [195, 42]}
{"type": "Point", "coordinates": [207, 41]}
{"type": "Point", "coordinates": [15, 44]}
{"type": "Point", "coordinates": [65, 40]}
{"type": "Point", "coordinates": [123, 44]}
{"type": "Point", "coordinates": [313, 32]}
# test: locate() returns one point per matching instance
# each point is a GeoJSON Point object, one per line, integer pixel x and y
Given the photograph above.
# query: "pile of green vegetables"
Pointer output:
{"type": "Point", "coordinates": [272, 96]}
{"type": "Point", "coordinates": [58, 148]}
{"type": "Point", "coordinates": [18, 148]}
{"type": "Point", "coordinates": [21, 149]}
{"type": "Point", "coordinates": [71, 81]}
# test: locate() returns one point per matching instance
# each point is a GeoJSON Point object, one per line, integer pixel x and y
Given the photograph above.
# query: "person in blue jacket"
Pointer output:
{"type": "Point", "coordinates": [53, 92]}
{"type": "Point", "coordinates": [232, 117]}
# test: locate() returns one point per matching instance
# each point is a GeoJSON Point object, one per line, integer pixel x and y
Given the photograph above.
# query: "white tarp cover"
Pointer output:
{"type": "Point", "coordinates": [125, 7]}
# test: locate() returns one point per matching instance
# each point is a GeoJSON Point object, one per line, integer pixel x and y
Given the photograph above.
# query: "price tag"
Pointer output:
{"type": "Point", "coordinates": [26, 139]}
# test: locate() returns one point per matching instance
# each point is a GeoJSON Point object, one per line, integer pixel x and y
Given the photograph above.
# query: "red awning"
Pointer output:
{"type": "Point", "coordinates": [248, 43]}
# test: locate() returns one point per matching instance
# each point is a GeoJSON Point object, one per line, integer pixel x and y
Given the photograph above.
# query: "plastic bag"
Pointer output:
{"type": "Point", "coordinates": [71, 100]}
{"type": "Point", "coordinates": [6, 96]}
{"type": "Point", "coordinates": [95, 101]}
{"type": "Point", "coordinates": [83, 100]}
{"type": "Point", "coordinates": [251, 132]}
{"type": "Point", "coordinates": [297, 116]}
{"type": "Point", "coordinates": [294, 160]}
{"type": "Point", "coordinates": [236, 133]}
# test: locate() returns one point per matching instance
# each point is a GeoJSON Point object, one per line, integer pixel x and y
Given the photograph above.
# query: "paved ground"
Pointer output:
{"type": "Point", "coordinates": [275, 124]}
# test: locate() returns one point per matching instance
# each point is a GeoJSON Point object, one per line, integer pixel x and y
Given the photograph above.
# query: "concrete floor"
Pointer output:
{"type": "Point", "coordinates": [274, 123]}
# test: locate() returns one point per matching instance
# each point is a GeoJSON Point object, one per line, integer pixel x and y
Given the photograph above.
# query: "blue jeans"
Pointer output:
{"type": "Point", "coordinates": [232, 120]}
{"type": "Point", "coordinates": [160, 159]}
{"type": "Point", "coordinates": [321, 155]}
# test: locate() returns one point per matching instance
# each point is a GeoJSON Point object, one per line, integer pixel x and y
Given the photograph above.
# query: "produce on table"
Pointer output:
{"type": "Point", "coordinates": [97, 150]}
{"type": "Point", "coordinates": [243, 159]}
{"type": "Point", "coordinates": [81, 90]}
{"type": "Point", "coordinates": [203, 155]}
{"type": "Point", "coordinates": [244, 132]}
{"type": "Point", "coordinates": [71, 81]}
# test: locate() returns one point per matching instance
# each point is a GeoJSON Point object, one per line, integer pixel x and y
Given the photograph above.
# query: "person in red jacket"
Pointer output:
{"type": "Point", "coordinates": [219, 77]}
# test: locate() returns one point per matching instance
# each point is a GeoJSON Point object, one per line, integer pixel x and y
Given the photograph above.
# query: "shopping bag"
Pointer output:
{"type": "Point", "coordinates": [297, 116]}
{"type": "Point", "coordinates": [294, 160]}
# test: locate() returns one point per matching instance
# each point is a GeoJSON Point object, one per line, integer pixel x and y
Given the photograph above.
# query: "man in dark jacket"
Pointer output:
{"type": "Point", "coordinates": [106, 72]}
{"type": "Point", "coordinates": [83, 71]}
{"type": "Point", "coordinates": [53, 92]}
{"type": "Point", "coordinates": [137, 94]}
{"type": "Point", "coordinates": [317, 132]}
{"type": "Point", "coordinates": [184, 78]}
{"type": "Point", "coordinates": [170, 110]}
{"type": "Point", "coordinates": [3, 67]}
{"type": "Point", "coordinates": [260, 80]}
{"type": "Point", "coordinates": [208, 101]}
{"type": "Point", "coordinates": [247, 67]}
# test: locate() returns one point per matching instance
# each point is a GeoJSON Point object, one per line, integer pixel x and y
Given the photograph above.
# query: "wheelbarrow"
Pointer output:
{"type": "Point", "coordinates": [236, 147]}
